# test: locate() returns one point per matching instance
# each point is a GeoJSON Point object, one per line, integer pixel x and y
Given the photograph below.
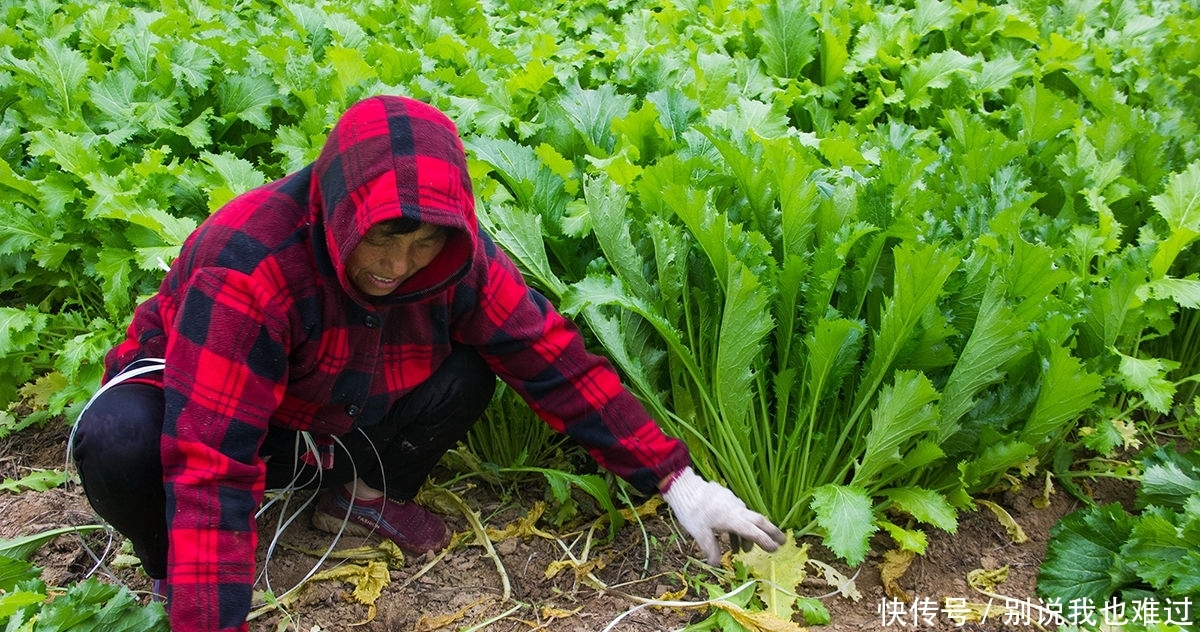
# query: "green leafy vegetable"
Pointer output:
{"type": "Point", "coordinates": [1103, 552]}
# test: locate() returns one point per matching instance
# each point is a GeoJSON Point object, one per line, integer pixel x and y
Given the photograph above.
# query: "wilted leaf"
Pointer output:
{"type": "Point", "coordinates": [524, 527]}
{"type": "Point", "coordinates": [895, 564]}
{"type": "Point", "coordinates": [782, 572]}
{"type": "Point", "coordinates": [430, 623]}
{"type": "Point", "coordinates": [836, 579]}
{"type": "Point", "coordinates": [756, 621]}
{"type": "Point", "coordinates": [1015, 532]}
{"type": "Point", "coordinates": [368, 580]}
{"type": "Point", "coordinates": [386, 551]}
{"type": "Point", "coordinates": [581, 569]}
{"type": "Point", "coordinates": [549, 612]}
{"type": "Point", "coordinates": [986, 580]}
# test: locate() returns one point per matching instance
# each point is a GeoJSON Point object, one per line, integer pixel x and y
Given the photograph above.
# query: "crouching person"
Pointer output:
{"type": "Point", "coordinates": [342, 328]}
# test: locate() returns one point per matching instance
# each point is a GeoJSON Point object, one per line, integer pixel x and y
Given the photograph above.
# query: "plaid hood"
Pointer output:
{"type": "Point", "coordinates": [393, 157]}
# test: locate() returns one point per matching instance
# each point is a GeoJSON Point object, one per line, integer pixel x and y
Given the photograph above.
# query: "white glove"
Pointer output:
{"type": "Point", "coordinates": [705, 508]}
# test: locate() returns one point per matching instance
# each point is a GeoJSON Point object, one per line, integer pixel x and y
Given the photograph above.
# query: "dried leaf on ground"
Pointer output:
{"type": "Point", "coordinates": [895, 564]}
{"type": "Point", "coordinates": [1015, 532]}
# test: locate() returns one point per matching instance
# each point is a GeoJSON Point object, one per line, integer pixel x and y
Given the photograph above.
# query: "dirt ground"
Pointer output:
{"type": "Point", "coordinates": [565, 579]}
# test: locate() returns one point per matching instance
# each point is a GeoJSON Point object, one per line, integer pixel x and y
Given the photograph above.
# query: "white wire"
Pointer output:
{"type": "Point", "coordinates": [284, 519]}
{"type": "Point", "coordinates": [285, 493]}
{"type": "Point", "coordinates": [155, 364]}
{"type": "Point", "coordinates": [264, 574]}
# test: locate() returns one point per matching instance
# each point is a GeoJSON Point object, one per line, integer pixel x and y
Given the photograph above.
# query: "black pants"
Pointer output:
{"type": "Point", "coordinates": [117, 449]}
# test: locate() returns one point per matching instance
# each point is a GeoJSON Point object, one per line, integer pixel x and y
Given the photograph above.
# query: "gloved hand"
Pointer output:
{"type": "Point", "coordinates": [705, 508]}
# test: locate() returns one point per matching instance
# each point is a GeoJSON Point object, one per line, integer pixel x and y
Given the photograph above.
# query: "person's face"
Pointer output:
{"type": "Point", "coordinates": [379, 264]}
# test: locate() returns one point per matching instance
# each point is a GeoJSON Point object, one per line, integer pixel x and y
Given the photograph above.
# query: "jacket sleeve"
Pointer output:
{"type": "Point", "coordinates": [542, 355]}
{"type": "Point", "coordinates": [225, 374]}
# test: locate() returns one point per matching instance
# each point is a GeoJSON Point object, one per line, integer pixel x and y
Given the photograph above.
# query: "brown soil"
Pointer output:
{"type": "Point", "coordinates": [463, 588]}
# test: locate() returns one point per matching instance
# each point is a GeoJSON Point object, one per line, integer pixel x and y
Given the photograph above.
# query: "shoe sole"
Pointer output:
{"type": "Point", "coordinates": [333, 524]}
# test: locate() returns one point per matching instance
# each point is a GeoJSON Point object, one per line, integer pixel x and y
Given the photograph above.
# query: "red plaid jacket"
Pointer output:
{"type": "Point", "coordinates": [260, 327]}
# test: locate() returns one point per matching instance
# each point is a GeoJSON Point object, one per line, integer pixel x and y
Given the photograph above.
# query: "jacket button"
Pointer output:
{"type": "Point", "coordinates": [353, 410]}
{"type": "Point", "coordinates": [371, 321]}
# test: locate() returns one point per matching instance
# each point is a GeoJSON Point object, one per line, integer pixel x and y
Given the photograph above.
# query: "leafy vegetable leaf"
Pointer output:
{"type": "Point", "coordinates": [905, 411]}
{"type": "Point", "coordinates": [1067, 389]}
{"type": "Point", "coordinates": [1081, 558]}
{"type": "Point", "coordinates": [1169, 478]}
{"type": "Point", "coordinates": [1155, 538]}
{"type": "Point", "coordinates": [997, 338]}
{"type": "Point", "coordinates": [907, 539]}
{"type": "Point", "coordinates": [845, 513]}
{"type": "Point", "coordinates": [1147, 376]}
{"type": "Point", "coordinates": [789, 36]}
{"type": "Point", "coordinates": [247, 96]}
{"type": "Point", "coordinates": [782, 572]}
{"type": "Point", "coordinates": [925, 505]}
{"type": "Point", "coordinates": [1179, 203]}
{"type": "Point", "coordinates": [932, 73]}
{"type": "Point", "coordinates": [38, 481]}
{"type": "Point", "coordinates": [744, 325]}
{"type": "Point", "coordinates": [14, 570]}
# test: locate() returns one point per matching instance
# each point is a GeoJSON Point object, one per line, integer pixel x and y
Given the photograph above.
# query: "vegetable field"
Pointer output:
{"type": "Point", "coordinates": [874, 261]}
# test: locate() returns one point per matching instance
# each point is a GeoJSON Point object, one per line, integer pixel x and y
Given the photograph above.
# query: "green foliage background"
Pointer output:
{"type": "Point", "coordinates": [865, 257]}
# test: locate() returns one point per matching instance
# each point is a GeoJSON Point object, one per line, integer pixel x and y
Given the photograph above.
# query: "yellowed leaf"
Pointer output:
{"type": "Point", "coordinates": [644, 510]}
{"type": "Point", "coordinates": [558, 613]}
{"type": "Point", "coordinates": [38, 392]}
{"type": "Point", "coordinates": [448, 499]}
{"type": "Point", "coordinates": [436, 622]}
{"type": "Point", "coordinates": [836, 579]}
{"type": "Point", "coordinates": [1128, 432]}
{"type": "Point", "coordinates": [439, 499]}
{"type": "Point", "coordinates": [757, 621]}
{"type": "Point", "coordinates": [895, 564]}
{"type": "Point", "coordinates": [556, 567]}
{"type": "Point", "coordinates": [673, 595]}
{"type": "Point", "coordinates": [581, 569]}
{"type": "Point", "coordinates": [782, 571]}
{"type": "Point", "coordinates": [386, 551]}
{"type": "Point", "coordinates": [368, 579]}
{"type": "Point", "coordinates": [1015, 532]}
{"type": "Point", "coordinates": [524, 527]}
{"type": "Point", "coordinates": [986, 581]}
{"type": "Point", "coordinates": [1043, 501]}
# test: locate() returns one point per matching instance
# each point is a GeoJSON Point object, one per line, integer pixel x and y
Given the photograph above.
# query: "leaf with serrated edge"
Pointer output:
{"type": "Point", "coordinates": [903, 412]}
{"type": "Point", "coordinates": [845, 513]}
{"type": "Point", "coordinates": [1081, 554]}
{"type": "Point", "coordinates": [925, 505]}
{"type": "Point", "coordinates": [782, 571]}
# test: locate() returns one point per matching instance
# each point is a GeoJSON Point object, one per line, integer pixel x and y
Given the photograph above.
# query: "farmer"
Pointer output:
{"type": "Point", "coordinates": [342, 328]}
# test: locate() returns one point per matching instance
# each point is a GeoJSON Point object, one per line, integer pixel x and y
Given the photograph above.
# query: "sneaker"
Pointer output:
{"type": "Point", "coordinates": [413, 528]}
